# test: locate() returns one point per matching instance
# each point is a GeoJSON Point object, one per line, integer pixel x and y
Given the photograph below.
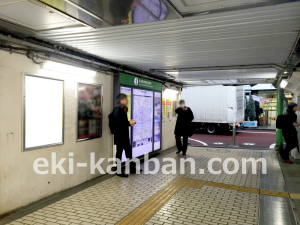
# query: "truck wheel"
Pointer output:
{"type": "Point", "coordinates": [211, 129]}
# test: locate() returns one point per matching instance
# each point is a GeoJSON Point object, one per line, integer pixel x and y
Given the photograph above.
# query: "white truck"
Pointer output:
{"type": "Point", "coordinates": [215, 107]}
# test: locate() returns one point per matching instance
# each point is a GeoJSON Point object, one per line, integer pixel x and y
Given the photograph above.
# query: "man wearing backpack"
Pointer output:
{"type": "Point", "coordinates": [289, 132]}
{"type": "Point", "coordinates": [121, 130]}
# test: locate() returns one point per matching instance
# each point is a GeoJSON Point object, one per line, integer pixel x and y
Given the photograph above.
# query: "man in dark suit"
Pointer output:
{"type": "Point", "coordinates": [121, 135]}
{"type": "Point", "coordinates": [289, 132]}
{"type": "Point", "coordinates": [185, 117]}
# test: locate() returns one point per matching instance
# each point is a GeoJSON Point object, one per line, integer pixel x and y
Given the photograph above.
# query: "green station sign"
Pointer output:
{"type": "Point", "coordinates": [139, 82]}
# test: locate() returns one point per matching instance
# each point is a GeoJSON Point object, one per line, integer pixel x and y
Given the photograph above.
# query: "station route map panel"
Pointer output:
{"type": "Point", "coordinates": [142, 132]}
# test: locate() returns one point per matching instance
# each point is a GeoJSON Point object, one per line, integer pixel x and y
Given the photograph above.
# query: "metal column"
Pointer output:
{"type": "Point", "coordinates": [279, 107]}
{"type": "Point", "coordinates": [234, 145]}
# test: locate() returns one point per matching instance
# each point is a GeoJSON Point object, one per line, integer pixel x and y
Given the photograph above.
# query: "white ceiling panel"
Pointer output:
{"type": "Point", "coordinates": [253, 36]}
{"type": "Point", "coordinates": [191, 6]}
{"type": "Point", "coordinates": [235, 76]}
{"type": "Point", "coordinates": [34, 15]}
{"type": "Point", "coordinates": [225, 74]}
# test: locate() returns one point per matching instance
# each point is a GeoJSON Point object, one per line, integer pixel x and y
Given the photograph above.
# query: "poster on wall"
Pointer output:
{"type": "Point", "coordinates": [163, 103]}
{"type": "Point", "coordinates": [157, 120]}
{"type": "Point", "coordinates": [174, 106]}
{"type": "Point", "coordinates": [168, 110]}
{"type": "Point", "coordinates": [43, 112]}
{"type": "Point", "coordinates": [89, 124]}
{"type": "Point", "coordinates": [263, 100]}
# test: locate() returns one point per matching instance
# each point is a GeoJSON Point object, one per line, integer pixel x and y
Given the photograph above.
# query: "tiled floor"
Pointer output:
{"type": "Point", "coordinates": [203, 155]}
{"type": "Point", "coordinates": [208, 205]}
{"type": "Point", "coordinates": [110, 201]}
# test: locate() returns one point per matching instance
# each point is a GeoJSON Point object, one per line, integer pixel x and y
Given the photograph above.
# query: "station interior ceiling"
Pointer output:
{"type": "Point", "coordinates": [190, 42]}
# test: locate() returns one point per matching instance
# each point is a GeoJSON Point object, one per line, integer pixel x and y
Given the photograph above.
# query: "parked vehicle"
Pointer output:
{"type": "Point", "coordinates": [215, 107]}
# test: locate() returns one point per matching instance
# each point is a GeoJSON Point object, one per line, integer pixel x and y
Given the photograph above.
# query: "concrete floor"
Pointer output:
{"type": "Point", "coordinates": [291, 174]}
{"type": "Point", "coordinates": [173, 199]}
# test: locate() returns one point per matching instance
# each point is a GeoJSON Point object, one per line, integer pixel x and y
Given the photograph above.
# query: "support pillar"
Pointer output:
{"type": "Point", "coordinates": [233, 145]}
{"type": "Point", "coordinates": [279, 108]}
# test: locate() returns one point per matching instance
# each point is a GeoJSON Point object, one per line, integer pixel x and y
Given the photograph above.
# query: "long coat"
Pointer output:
{"type": "Point", "coordinates": [122, 124]}
{"type": "Point", "coordinates": [185, 117]}
{"type": "Point", "coordinates": [290, 118]}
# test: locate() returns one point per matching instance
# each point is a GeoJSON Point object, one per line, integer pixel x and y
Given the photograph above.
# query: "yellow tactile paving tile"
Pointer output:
{"type": "Point", "coordinates": [230, 187]}
{"type": "Point", "coordinates": [249, 190]}
{"type": "Point", "coordinates": [284, 194]}
{"type": "Point", "coordinates": [270, 192]}
{"type": "Point", "coordinates": [197, 184]}
{"type": "Point", "coordinates": [295, 196]}
{"type": "Point", "coordinates": [213, 184]}
{"type": "Point", "coordinates": [149, 208]}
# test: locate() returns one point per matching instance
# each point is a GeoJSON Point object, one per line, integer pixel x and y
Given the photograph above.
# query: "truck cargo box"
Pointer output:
{"type": "Point", "coordinates": [215, 104]}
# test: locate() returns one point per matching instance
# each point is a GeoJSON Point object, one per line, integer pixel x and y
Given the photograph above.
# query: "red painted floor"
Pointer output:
{"type": "Point", "coordinates": [253, 139]}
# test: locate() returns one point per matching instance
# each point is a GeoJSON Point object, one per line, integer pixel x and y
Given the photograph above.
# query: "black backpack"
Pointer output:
{"type": "Point", "coordinates": [112, 122]}
{"type": "Point", "coordinates": [191, 130]}
{"type": "Point", "coordinates": [280, 122]}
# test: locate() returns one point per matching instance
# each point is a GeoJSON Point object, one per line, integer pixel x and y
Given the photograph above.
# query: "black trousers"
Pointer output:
{"type": "Point", "coordinates": [291, 143]}
{"type": "Point", "coordinates": [181, 146]}
{"type": "Point", "coordinates": [124, 144]}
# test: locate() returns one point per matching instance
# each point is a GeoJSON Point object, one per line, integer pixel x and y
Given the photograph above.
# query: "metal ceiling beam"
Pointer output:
{"type": "Point", "coordinates": [254, 66]}
{"type": "Point", "coordinates": [173, 9]}
{"type": "Point", "coordinates": [55, 54]}
{"type": "Point", "coordinates": [235, 8]}
{"type": "Point", "coordinates": [88, 12]}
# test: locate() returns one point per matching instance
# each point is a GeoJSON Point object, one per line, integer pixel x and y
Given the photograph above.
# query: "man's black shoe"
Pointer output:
{"type": "Point", "coordinates": [184, 153]}
{"type": "Point", "coordinates": [178, 152]}
{"type": "Point", "coordinates": [134, 171]}
{"type": "Point", "coordinates": [122, 174]}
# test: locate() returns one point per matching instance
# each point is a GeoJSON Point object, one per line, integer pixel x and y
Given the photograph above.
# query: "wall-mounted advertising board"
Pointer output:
{"type": "Point", "coordinates": [89, 111]}
{"type": "Point", "coordinates": [145, 100]}
{"type": "Point", "coordinates": [43, 112]}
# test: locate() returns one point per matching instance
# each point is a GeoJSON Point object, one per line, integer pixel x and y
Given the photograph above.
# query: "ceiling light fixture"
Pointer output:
{"type": "Point", "coordinates": [63, 68]}
{"type": "Point", "coordinates": [171, 91]}
{"type": "Point", "coordinates": [283, 83]}
{"type": "Point", "coordinates": [173, 73]}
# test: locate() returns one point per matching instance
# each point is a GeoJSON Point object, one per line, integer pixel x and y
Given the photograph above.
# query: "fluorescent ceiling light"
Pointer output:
{"type": "Point", "coordinates": [171, 91]}
{"type": "Point", "coordinates": [289, 96]}
{"type": "Point", "coordinates": [173, 73]}
{"type": "Point", "coordinates": [283, 83]}
{"type": "Point", "coordinates": [63, 68]}
{"type": "Point", "coordinates": [263, 87]}
{"type": "Point", "coordinates": [221, 81]}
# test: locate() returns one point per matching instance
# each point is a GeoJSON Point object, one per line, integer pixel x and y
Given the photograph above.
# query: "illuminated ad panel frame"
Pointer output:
{"type": "Point", "coordinates": [134, 87]}
{"type": "Point", "coordinates": [43, 112]}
